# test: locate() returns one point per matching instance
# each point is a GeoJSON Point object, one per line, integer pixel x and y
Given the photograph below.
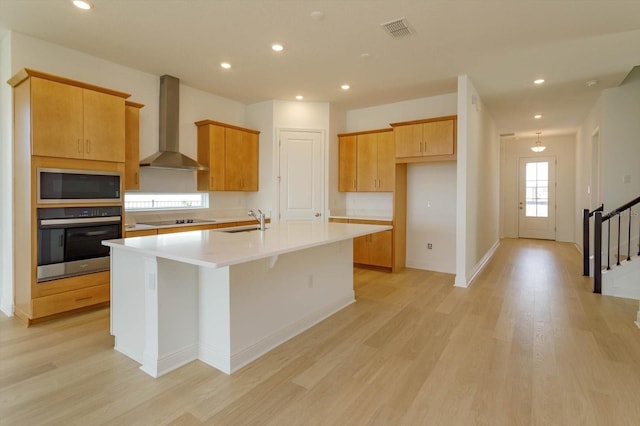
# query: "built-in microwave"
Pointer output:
{"type": "Point", "coordinates": [77, 186]}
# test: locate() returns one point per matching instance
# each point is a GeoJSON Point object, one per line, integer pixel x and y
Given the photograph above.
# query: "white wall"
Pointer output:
{"type": "Point", "coordinates": [563, 148]}
{"type": "Point", "coordinates": [260, 117]}
{"type": "Point", "coordinates": [434, 182]}
{"type": "Point", "coordinates": [620, 142]}
{"type": "Point", "coordinates": [478, 184]}
{"type": "Point", "coordinates": [337, 124]}
{"type": "Point", "coordinates": [585, 193]}
{"type": "Point", "coordinates": [615, 116]}
{"type": "Point", "coordinates": [6, 187]}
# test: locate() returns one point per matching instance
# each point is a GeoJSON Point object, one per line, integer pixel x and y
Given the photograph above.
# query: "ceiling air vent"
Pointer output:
{"type": "Point", "coordinates": [397, 28]}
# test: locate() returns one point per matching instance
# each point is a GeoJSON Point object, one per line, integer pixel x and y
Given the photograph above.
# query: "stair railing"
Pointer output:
{"type": "Point", "coordinates": [586, 215]}
{"type": "Point", "coordinates": [597, 239]}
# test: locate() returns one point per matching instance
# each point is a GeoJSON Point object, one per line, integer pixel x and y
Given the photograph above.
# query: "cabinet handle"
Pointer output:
{"type": "Point", "coordinates": [375, 183]}
{"type": "Point", "coordinates": [88, 146]}
{"type": "Point", "coordinates": [80, 145]}
{"type": "Point", "coordinates": [137, 178]}
{"type": "Point", "coordinates": [354, 184]}
{"type": "Point", "coordinates": [80, 299]}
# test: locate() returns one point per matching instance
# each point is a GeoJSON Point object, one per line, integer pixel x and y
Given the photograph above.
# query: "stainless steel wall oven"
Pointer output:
{"type": "Point", "coordinates": [70, 240]}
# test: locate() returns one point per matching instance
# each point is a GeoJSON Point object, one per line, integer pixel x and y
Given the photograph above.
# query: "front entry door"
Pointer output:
{"type": "Point", "coordinates": [301, 175]}
{"type": "Point", "coordinates": [537, 198]}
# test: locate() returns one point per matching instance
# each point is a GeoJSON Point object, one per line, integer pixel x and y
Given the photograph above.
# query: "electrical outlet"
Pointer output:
{"type": "Point", "coordinates": [429, 246]}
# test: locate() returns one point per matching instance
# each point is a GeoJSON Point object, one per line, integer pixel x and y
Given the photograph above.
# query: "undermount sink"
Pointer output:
{"type": "Point", "coordinates": [236, 230]}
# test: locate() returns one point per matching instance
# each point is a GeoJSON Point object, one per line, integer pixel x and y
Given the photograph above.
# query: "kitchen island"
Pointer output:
{"type": "Point", "coordinates": [227, 298]}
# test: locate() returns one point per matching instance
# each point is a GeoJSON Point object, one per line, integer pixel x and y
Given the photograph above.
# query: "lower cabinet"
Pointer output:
{"type": "Point", "coordinates": [374, 249]}
{"type": "Point", "coordinates": [70, 300]}
{"type": "Point", "coordinates": [64, 295]}
{"type": "Point", "coordinates": [141, 233]}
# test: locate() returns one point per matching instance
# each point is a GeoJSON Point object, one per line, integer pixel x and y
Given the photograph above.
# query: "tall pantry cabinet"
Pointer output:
{"type": "Point", "coordinates": [59, 124]}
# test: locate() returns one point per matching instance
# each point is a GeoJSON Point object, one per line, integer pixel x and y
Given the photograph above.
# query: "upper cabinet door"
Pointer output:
{"type": "Point", "coordinates": [211, 146]}
{"type": "Point", "coordinates": [408, 140]}
{"type": "Point", "coordinates": [56, 114]}
{"type": "Point", "coordinates": [438, 137]}
{"type": "Point", "coordinates": [386, 162]}
{"type": "Point", "coordinates": [347, 147]}
{"type": "Point", "coordinates": [367, 164]}
{"type": "Point", "coordinates": [250, 147]}
{"type": "Point", "coordinates": [241, 160]}
{"type": "Point", "coordinates": [232, 155]}
{"type": "Point", "coordinates": [132, 147]}
{"type": "Point", "coordinates": [104, 122]}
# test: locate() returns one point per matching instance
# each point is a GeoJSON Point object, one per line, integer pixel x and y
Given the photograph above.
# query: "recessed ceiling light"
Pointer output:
{"type": "Point", "coordinates": [345, 87]}
{"type": "Point", "coordinates": [592, 83]}
{"type": "Point", "coordinates": [317, 15]}
{"type": "Point", "coordinates": [82, 4]}
{"type": "Point", "coordinates": [537, 116]}
{"type": "Point", "coordinates": [277, 47]}
{"type": "Point", "coordinates": [365, 55]}
{"type": "Point", "coordinates": [225, 65]}
{"type": "Point", "coordinates": [299, 97]}
{"type": "Point", "coordinates": [538, 81]}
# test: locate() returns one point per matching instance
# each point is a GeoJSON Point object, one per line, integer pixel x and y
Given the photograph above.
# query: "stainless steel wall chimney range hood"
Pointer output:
{"type": "Point", "coordinates": [169, 156]}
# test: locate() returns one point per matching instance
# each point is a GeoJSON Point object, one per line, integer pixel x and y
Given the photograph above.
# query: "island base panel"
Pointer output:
{"type": "Point", "coordinates": [226, 317]}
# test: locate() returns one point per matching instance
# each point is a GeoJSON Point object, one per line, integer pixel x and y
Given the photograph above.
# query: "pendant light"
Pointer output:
{"type": "Point", "coordinates": [538, 147]}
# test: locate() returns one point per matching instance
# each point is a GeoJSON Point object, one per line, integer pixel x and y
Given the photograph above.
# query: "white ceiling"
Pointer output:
{"type": "Point", "coordinates": [503, 45]}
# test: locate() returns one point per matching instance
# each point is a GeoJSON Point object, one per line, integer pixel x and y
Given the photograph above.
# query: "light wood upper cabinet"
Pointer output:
{"type": "Point", "coordinates": [366, 161]}
{"type": "Point", "coordinates": [132, 145]}
{"type": "Point", "coordinates": [241, 160]}
{"type": "Point", "coordinates": [426, 140]}
{"type": "Point", "coordinates": [56, 119]}
{"type": "Point", "coordinates": [74, 122]}
{"type": "Point", "coordinates": [211, 154]}
{"type": "Point", "coordinates": [347, 146]}
{"type": "Point", "coordinates": [104, 122]}
{"type": "Point", "coordinates": [231, 153]}
{"type": "Point", "coordinates": [386, 162]}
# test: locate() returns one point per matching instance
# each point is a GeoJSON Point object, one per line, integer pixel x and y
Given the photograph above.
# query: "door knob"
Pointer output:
{"type": "Point", "coordinates": [318, 215]}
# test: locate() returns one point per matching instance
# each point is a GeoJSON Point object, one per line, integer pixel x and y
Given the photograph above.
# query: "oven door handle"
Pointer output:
{"type": "Point", "coordinates": [81, 221]}
{"type": "Point", "coordinates": [95, 233]}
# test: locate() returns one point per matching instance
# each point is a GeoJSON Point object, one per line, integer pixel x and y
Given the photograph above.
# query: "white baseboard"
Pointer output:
{"type": "Point", "coordinates": [478, 267]}
{"type": "Point", "coordinates": [215, 357]}
{"type": "Point", "coordinates": [165, 364]}
{"type": "Point", "coordinates": [6, 307]}
{"type": "Point", "coordinates": [251, 353]}
{"type": "Point", "coordinates": [578, 247]}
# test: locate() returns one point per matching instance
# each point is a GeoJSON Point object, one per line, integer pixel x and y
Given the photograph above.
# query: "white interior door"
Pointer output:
{"type": "Point", "coordinates": [537, 198]}
{"type": "Point", "coordinates": [301, 175]}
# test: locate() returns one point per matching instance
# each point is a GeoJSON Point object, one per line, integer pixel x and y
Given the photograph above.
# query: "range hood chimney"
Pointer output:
{"type": "Point", "coordinates": [169, 157]}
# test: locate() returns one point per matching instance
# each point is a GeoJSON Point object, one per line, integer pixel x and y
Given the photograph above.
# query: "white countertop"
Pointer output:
{"type": "Point", "coordinates": [216, 248]}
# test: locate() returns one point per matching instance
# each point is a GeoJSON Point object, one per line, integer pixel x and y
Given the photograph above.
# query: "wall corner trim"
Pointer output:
{"type": "Point", "coordinates": [477, 268]}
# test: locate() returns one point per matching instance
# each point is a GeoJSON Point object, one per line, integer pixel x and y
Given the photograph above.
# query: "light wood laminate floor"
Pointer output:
{"type": "Point", "coordinates": [527, 343]}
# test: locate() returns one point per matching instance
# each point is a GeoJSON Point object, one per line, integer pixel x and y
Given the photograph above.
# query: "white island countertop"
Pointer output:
{"type": "Point", "coordinates": [217, 248]}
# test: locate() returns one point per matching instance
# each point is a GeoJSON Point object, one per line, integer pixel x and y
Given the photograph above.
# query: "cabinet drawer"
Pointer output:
{"type": "Point", "coordinates": [49, 305]}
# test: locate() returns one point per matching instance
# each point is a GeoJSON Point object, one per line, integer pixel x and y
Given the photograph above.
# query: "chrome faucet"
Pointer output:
{"type": "Point", "coordinates": [260, 217]}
